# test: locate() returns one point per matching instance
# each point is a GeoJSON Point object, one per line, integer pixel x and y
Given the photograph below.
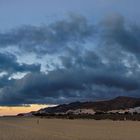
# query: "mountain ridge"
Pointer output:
{"type": "Point", "coordinates": [118, 103]}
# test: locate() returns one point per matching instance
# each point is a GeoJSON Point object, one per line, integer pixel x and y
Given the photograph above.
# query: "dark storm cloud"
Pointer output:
{"type": "Point", "coordinates": [78, 81]}
{"type": "Point", "coordinates": [9, 64]}
{"type": "Point", "coordinates": [111, 67]}
{"type": "Point", "coordinates": [5, 82]}
{"type": "Point", "coordinates": [117, 31]}
{"type": "Point", "coordinates": [48, 38]}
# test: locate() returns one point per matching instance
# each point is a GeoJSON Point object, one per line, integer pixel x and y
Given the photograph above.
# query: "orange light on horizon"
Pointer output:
{"type": "Point", "coordinates": [21, 109]}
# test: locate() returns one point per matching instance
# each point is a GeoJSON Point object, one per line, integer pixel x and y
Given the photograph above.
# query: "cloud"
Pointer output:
{"type": "Point", "coordinates": [9, 64]}
{"type": "Point", "coordinates": [48, 38]}
{"type": "Point", "coordinates": [92, 64]}
{"type": "Point", "coordinates": [78, 81]}
{"type": "Point", "coordinates": [117, 31]}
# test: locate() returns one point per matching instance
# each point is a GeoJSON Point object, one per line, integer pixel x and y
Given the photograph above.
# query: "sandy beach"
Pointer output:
{"type": "Point", "coordinates": [12, 128]}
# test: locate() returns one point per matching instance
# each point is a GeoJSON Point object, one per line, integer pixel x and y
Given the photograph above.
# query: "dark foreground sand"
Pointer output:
{"type": "Point", "coordinates": [58, 129]}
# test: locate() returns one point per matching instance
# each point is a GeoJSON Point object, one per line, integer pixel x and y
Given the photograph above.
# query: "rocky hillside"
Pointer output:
{"type": "Point", "coordinates": [119, 103]}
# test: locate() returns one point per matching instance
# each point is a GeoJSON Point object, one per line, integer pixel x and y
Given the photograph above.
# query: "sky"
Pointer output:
{"type": "Point", "coordinates": [60, 51]}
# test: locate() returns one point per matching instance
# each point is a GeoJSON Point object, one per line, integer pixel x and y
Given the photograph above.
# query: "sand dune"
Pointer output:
{"type": "Point", "coordinates": [57, 129]}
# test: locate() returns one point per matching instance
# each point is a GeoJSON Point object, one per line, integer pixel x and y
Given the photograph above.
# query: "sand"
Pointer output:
{"type": "Point", "coordinates": [62, 129]}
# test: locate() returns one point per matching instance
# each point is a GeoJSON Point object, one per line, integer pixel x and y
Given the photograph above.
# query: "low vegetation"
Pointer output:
{"type": "Point", "coordinates": [96, 116]}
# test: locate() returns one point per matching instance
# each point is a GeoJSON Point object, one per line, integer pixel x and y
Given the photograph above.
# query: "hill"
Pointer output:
{"type": "Point", "coordinates": [120, 103]}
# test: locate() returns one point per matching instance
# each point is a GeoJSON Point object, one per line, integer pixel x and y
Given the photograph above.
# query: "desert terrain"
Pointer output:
{"type": "Point", "coordinates": [14, 128]}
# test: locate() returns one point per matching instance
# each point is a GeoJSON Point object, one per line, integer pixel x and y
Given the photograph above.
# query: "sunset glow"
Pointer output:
{"type": "Point", "coordinates": [17, 110]}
